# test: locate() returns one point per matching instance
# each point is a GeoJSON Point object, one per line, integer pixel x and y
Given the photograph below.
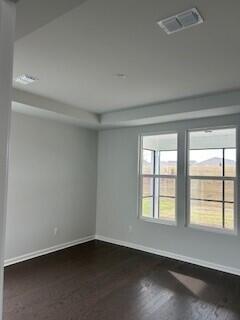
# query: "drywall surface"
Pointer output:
{"type": "Point", "coordinates": [52, 184]}
{"type": "Point", "coordinates": [117, 199]}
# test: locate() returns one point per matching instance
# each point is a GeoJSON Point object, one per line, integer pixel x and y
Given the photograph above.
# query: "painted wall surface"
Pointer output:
{"type": "Point", "coordinates": [7, 36]}
{"type": "Point", "coordinates": [52, 184]}
{"type": "Point", "coordinates": [117, 198]}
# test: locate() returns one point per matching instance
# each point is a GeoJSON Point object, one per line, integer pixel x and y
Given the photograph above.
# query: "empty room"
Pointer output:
{"type": "Point", "coordinates": [119, 160]}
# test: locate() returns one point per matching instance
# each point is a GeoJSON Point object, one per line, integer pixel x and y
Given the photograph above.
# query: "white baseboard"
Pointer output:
{"type": "Point", "coordinates": [42, 252]}
{"type": "Point", "coordinates": [132, 245]}
{"type": "Point", "coordinates": [171, 255]}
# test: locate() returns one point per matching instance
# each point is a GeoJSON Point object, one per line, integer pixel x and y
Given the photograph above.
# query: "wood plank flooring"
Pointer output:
{"type": "Point", "coordinates": [100, 281]}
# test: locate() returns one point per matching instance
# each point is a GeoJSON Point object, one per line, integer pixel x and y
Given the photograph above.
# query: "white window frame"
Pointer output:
{"type": "Point", "coordinates": [188, 179]}
{"type": "Point", "coordinates": [141, 176]}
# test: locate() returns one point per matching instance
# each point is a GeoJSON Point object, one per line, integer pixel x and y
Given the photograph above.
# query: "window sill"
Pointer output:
{"type": "Point", "coordinates": [159, 221]}
{"type": "Point", "coordinates": [213, 230]}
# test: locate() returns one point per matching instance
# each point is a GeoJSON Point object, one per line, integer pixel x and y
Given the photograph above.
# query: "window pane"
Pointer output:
{"type": "Point", "coordinates": [164, 146]}
{"type": "Point", "coordinates": [167, 187]}
{"type": "Point", "coordinates": [159, 157]}
{"type": "Point", "coordinates": [213, 139]}
{"type": "Point", "coordinates": [206, 213]}
{"type": "Point", "coordinates": [212, 153]}
{"type": "Point", "coordinates": [206, 152]}
{"type": "Point", "coordinates": [147, 207]}
{"type": "Point", "coordinates": [229, 191]}
{"type": "Point", "coordinates": [147, 187]}
{"type": "Point", "coordinates": [206, 189]}
{"type": "Point", "coordinates": [230, 162]}
{"type": "Point", "coordinates": [147, 162]}
{"type": "Point", "coordinates": [168, 162]}
{"type": "Point", "coordinates": [160, 142]}
{"type": "Point", "coordinates": [167, 208]}
{"type": "Point", "coordinates": [229, 216]}
{"type": "Point", "coordinates": [206, 162]}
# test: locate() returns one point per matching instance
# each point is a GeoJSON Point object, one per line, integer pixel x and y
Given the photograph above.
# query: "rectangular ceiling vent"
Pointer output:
{"type": "Point", "coordinates": [181, 21]}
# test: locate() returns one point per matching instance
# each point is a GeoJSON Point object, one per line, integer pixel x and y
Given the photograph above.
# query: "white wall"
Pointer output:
{"type": "Point", "coordinates": [117, 199]}
{"type": "Point", "coordinates": [52, 183]}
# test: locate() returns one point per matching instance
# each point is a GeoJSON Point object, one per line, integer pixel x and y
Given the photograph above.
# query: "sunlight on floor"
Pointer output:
{"type": "Point", "coordinates": [194, 285]}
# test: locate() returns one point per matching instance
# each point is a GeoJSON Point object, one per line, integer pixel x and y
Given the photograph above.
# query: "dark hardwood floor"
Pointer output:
{"type": "Point", "coordinates": [99, 281]}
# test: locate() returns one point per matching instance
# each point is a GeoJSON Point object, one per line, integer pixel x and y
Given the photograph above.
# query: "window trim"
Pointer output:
{"type": "Point", "coordinates": [141, 175]}
{"type": "Point", "coordinates": [188, 179]}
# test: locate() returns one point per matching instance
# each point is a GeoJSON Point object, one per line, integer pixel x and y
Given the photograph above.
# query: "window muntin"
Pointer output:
{"type": "Point", "coordinates": [158, 177]}
{"type": "Point", "coordinates": [212, 178]}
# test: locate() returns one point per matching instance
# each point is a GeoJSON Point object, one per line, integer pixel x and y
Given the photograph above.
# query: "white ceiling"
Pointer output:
{"type": "Point", "coordinates": [77, 54]}
{"type": "Point", "coordinates": [33, 14]}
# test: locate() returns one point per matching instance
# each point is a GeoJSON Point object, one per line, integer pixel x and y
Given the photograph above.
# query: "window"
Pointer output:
{"type": "Point", "coordinates": [158, 177]}
{"type": "Point", "coordinates": [212, 178]}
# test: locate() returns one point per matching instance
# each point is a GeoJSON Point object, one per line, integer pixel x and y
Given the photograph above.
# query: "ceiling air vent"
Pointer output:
{"type": "Point", "coordinates": [181, 21]}
{"type": "Point", "coordinates": [25, 79]}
